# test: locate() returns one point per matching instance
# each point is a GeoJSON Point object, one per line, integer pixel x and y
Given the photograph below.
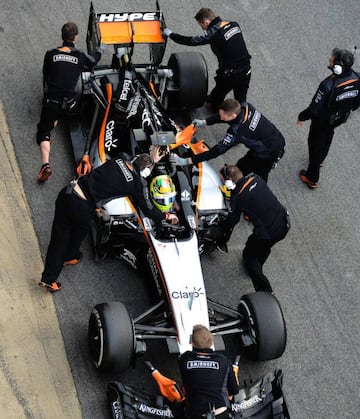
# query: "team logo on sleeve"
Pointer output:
{"type": "Point", "coordinates": [125, 170]}
{"type": "Point", "coordinates": [254, 121]}
{"type": "Point", "coordinates": [227, 139]}
{"type": "Point", "coordinates": [319, 96]}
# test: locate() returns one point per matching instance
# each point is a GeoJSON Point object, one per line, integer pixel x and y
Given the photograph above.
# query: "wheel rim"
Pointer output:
{"type": "Point", "coordinates": [249, 319]}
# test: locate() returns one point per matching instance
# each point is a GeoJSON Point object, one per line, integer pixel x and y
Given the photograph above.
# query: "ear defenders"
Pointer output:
{"type": "Point", "coordinates": [229, 183]}
{"type": "Point", "coordinates": [145, 172]}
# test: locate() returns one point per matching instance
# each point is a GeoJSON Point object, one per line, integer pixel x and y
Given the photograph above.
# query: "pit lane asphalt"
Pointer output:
{"type": "Point", "coordinates": [315, 271]}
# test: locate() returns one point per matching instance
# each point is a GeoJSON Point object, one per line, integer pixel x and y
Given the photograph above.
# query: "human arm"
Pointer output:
{"type": "Point", "coordinates": [190, 41]}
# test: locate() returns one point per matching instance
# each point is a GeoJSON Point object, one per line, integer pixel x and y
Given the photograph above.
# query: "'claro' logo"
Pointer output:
{"type": "Point", "coordinates": [195, 293]}
{"type": "Point", "coordinates": [128, 17]}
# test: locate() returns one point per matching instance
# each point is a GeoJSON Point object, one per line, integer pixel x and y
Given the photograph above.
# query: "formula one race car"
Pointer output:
{"type": "Point", "coordinates": [132, 108]}
{"type": "Point", "coordinates": [262, 399]}
{"type": "Point", "coordinates": [170, 254]}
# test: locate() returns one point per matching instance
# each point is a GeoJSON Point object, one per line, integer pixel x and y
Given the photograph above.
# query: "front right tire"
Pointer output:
{"type": "Point", "coordinates": [111, 337]}
{"type": "Point", "coordinates": [266, 325]}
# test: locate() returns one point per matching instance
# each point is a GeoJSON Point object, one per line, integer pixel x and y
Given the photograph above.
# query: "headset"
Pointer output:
{"type": "Point", "coordinates": [344, 60]}
{"type": "Point", "coordinates": [229, 183]}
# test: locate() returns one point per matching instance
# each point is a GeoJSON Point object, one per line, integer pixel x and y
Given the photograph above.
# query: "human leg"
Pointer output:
{"type": "Point", "coordinates": [255, 254]}
{"type": "Point", "coordinates": [319, 141]}
{"type": "Point", "coordinates": [241, 86]}
{"type": "Point", "coordinates": [48, 120]}
{"type": "Point", "coordinates": [70, 226]}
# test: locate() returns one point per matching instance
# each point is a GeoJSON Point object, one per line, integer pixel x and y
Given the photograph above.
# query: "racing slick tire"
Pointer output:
{"type": "Point", "coordinates": [267, 326]}
{"type": "Point", "coordinates": [190, 78]}
{"type": "Point", "coordinates": [111, 337]}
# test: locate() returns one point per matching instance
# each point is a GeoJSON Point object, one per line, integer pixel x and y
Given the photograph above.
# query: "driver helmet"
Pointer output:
{"type": "Point", "coordinates": [162, 192]}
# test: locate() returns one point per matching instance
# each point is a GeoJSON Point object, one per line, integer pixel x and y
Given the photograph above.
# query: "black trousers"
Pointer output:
{"type": "Point", "coordinates": [238, 82]}
{"type": "Point", "coordinates": [251, 164]}
{"type": "Point", "coordinates": [71, 223]}
{"type": "Point", "coordinates": [319, 142]}
{"type": "Point", "coordinates": [255, 253]}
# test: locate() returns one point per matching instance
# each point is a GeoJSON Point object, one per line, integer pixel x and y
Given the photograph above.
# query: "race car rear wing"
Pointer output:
{"type": "Point", "coordinates": [127, 29]}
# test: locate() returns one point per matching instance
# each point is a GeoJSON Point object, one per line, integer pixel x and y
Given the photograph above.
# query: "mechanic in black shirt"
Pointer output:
{"type": "Point", "coordinates": [62, 88]}
{"type": "Point", "coordinates": [227, 43]}
{"type": "Point", "coordinates": [208, 377]}
{"type": "Point", "coordinates": [330, 107]}
{"type": "Point", "coordinates": [251, 195]}
{"type": "Point", "coordinates": [76, 203]}
{"type": "Point", "coordinates": [248, 126]}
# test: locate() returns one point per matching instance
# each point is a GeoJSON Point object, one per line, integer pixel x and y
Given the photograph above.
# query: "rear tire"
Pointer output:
{"type": "Point", "coordinates": [190, 79]}
{"type": "Point", "coordinates": [266, 325]}
{"type": "Point", "coordinates": [111, 337]}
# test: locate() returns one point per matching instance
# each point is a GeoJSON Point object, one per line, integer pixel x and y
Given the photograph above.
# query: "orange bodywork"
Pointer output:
{"type": "Point", "coordinates": [137, 32]}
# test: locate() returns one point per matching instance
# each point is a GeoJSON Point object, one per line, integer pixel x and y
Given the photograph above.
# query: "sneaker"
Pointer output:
{"type": "Point", "coordinates": [45, 172]}
{"type": "Point", "coordinates": [72, 261]}
{"type": "Point", "coordinates": [54, 287]}
{"type": "Point", "coordinates": [304, 179]}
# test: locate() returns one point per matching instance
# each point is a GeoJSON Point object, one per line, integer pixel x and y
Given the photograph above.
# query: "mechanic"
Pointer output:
{"type": "Point", "coordinates": [248, 126]}
{"type": "Point", "coordinates": [330, 107]}
{"type": "Point", "coordinates": [76, 203]}
{"type": "Point", "coordinates": [62, 88]}
{"type": "Point", "coordinates": [208, 377]}
{"type": "Point", "coordinates": [227, 43]}
{"type": "Point", "coordinates": [251, 195]}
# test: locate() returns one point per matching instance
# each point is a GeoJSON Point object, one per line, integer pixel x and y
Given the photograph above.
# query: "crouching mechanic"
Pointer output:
{"type": "Point", "coordinates": [251, 195]}
{"type": "Point", "coordinates": [208, 377]}
{"type": "Point", "coordinates": [76, 203]}
{"type": "Point", "coordinates": [248, 126]}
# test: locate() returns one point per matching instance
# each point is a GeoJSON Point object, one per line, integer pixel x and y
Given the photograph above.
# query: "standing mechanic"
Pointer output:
{"type": "Point", "coordinates": [227, 43]}
{"type": "Point", "coordinates": [248, 126]}
{"type": "Point", "coordinates": [76, 203]}
{"type": "Point", "coordinates": [330, 107]}
{"type": "Point", "coordinates": [251, 195]}
{"type": "Point", "coordinates": [207, 376]}
{"type": "Point", "coordinates": [62, 88]}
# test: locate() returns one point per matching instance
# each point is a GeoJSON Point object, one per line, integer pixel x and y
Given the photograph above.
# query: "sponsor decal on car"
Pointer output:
{"type": "Point", "coordinates": [144, 408]}
{"type": "Point", "coordinates": [180, 294]}
{"type": "Point", "coordinates": [110, 142]}
{"type": "Point", "coordinates": [116, 410]}
{"type": "Point", "coordinates": [246, 404]}
{"type": "Point", "coordinates": [128, 17]}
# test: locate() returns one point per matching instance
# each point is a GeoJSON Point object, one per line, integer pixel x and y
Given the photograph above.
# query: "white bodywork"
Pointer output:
{"type": "Point", "coordinates": [211, 198]}
{"type": "Point", "coordinates": [181, 268]}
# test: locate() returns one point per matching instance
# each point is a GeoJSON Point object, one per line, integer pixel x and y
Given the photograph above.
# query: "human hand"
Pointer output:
{"type": "Point", "coordinates": [167, 32]}
{"type": "Point", "coordinates": [199, 122]}
{"type": "Point", "coordinates": [172, 218]}
{"type": "Point", "coordinates": [156, 153]}
{"type": "Point", "coordinates": [299, 123]}
{"type": "Point", "coordinates": [102, 48]}
{"type": "Point", "coordinates": [179, 161]}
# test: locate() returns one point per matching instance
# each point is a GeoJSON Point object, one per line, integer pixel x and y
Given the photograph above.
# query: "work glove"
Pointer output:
{"type": "Point", "coordinates": [167, 32]}
{"type": "Point", "coordinates": [101, 48]}
{"type": "Point", "coordinates": [199, 122]}
{"type": "Point", "coordinates": [178, 161]}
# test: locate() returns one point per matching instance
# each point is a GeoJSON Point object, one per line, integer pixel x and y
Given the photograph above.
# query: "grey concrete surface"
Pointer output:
{"type": "Point", "coordinates": [315, 271]}
{"type": "Point", "coordinates": [35, 377]}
